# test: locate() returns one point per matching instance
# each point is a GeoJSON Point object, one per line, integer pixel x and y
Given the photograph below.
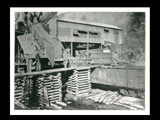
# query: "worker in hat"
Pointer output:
{"type": "Point", "coordinates": [115, 57]}
{"type": "Point", "coordinates": [38, 61]}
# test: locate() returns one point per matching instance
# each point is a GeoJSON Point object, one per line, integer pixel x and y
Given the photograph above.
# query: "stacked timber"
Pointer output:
{"type": "Point", "coordinates": [79, 83]}
{"type": "Point", "coordinates": [23, 88]}
{"type": "Point", "coordinates": [27, 90]}
{"type": "Point", "coordinates": [39, 91]}
{"type": "Point", "coordinates": [53, 84]}
{"type": "Point", "coordinates": [18, 89]}
{"type": "Point", "coordinates": [107, 97]}
{"type": "Point", "coordinates": [30, 90]}
{"type": "Point", "coordinates": [112, 97]}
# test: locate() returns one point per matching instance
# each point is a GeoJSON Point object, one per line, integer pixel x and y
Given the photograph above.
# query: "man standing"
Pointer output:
{"type": "Point", "coordinates": [115, 57]}
{"type": "Point", "coordinates": [38, 62]}
{"type": "Point", "coordinates": [130, 55]}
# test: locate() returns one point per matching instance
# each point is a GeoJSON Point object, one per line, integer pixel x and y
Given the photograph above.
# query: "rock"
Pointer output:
{"type": "Point", "coordinates": [70, 97]}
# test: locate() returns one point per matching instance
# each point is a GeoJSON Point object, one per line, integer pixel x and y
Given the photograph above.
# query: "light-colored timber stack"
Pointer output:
{"type": "Point", "coordinates": [106, 97]}
{"type": "Point", "coordinates": [79, 83]}
{"type": "Point", "coordinates": [53, 84]}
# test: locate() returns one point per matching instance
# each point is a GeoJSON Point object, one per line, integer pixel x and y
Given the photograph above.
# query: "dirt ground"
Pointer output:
{"type": "Point", "coordinates": [85, 104]}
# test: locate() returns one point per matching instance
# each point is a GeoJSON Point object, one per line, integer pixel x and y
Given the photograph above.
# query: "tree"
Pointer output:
{"type": "Point", "coordinates": [135, 35]}
{"type": "Point", "coordinates": [137, 27]}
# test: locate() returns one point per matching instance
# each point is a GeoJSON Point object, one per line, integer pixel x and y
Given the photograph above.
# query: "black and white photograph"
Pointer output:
{"type": "Point", "coordinates": [79, 61]}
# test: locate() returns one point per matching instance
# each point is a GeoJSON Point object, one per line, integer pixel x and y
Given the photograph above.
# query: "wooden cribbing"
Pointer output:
{"type": "Point", "coordinates": [79, 82]}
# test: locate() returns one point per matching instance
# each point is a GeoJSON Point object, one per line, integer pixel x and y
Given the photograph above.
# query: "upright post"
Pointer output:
{"type": "Point", "coordinates": [87, 48]}
{"type": "Point", "coordinates": [72, 49]}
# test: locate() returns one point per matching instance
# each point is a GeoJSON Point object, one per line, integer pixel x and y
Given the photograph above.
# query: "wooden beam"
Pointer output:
{"type": "Point", "coordinates": [87, 49]}
{"type": "Point", "coordinates": [22, 106]}
{"type": "Point", "coordinates": [72, 49]}
{"type": "Point", "coordinates": [53, 70]}
{"type": "Point", "coordinates": [42, 72]}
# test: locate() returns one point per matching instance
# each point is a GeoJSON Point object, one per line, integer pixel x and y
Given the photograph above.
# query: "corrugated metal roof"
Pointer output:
{"type": "Point", "coordinates": [90, 23]}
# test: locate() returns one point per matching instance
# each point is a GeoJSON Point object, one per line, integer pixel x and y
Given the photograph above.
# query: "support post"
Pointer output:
{"type": "Point", "coordinates": [72, 49]}
{"type": "Point", "coordinates": [87, 49]}
{"type": "Point", "coordinates": [101, 46]}
{"type": "Point", "coordinates": [28, 63]}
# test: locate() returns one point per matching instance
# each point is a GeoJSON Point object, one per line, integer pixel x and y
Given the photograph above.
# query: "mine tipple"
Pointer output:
{"type": "Point", "coordinates": [86, 42]}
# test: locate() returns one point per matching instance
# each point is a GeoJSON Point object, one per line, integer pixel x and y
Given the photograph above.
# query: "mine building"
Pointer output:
{"type": "Point", "coordinates": [82, 38]}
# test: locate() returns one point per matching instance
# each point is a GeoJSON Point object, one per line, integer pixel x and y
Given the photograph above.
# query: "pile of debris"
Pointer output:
{"type": "Point", "coordinates": [106, 97]}
{"type": "Point", "coordinates": [113, 97]}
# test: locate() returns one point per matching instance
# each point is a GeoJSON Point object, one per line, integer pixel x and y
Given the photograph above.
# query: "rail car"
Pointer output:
{"type": "Point", "coordinates": [129, 80]}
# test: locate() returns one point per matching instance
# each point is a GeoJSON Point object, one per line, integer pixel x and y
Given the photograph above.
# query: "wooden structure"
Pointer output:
{"type": "Point", "coordinates": [79, 83]}
{"type": "Point", "coordinates": [23, 88]}
{"type": "Point", "coordinates": [29, 90]}
{"type": "Point", "coordinates": [83, 37]}
{"type": "Point", "coordinates": [37, 42]}
{"type": "Point", "coordinates": [79, 36]}
{"type": "Point", "coordinates": [33, 88]}
{"type": "Point", "coordinates": [32, 38]}
{"type": "Point", "coordinates": [54, 84]}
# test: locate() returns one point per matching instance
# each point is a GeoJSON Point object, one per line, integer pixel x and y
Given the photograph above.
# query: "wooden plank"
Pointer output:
{"type": "Point", "coordinates": [86, 85]}
{"type": "Point", "coordinates": [85, 88]}
{"type": "Point", "coordinates": [56, 106]}
{"type": "Point", "coordinates": [49, 91]}
{"type": "Point", "coordinates": [16, 102]}
{"type": "Point", "coordinates": [82, 68]}
{"type": "Point", "coordinates": [83, 91]}
{"type": "Point", "coordinates": [83, 72]}
{"type": "Point", "coordinates": [61, 103]}
{"type": "Point", "coordinates": [83, 79]}
{"type": "Point", "coordinates": [132, 108]}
